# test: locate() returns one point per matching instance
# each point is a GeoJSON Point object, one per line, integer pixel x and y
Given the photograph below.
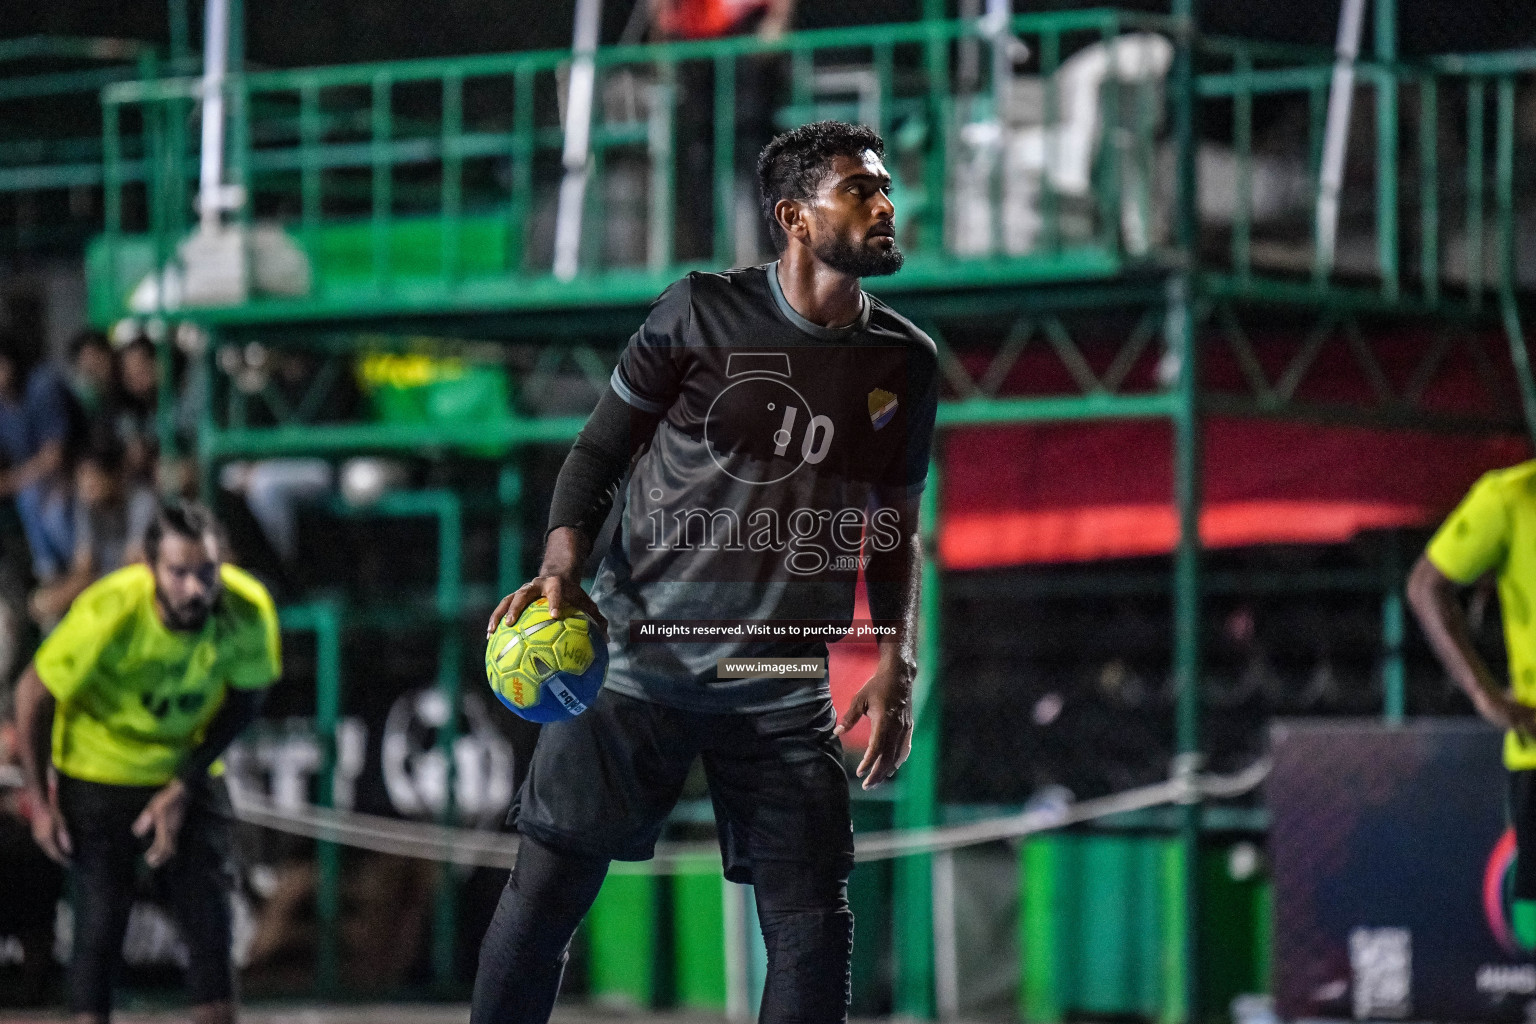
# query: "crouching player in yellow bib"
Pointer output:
{"type": "Point", "coordinates": [124, 713]}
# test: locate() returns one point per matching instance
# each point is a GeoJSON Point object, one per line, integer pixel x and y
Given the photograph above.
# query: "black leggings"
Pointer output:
{"type": "Point", "coordinates": [195, 884]}
{"type": "Point", "coordinates": [807, 927]}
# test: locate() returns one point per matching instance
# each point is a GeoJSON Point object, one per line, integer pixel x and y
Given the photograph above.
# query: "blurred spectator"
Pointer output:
{"type": "Point", "coordinates": [713, 19]}
{"type": "Point", "coordinates": [35, 414]}
{"type": "Point", "coordinates": [139, 377]}
{"type": "Point", "coordinates": [112, 511]}
{"type": "Point", "coordinates": [92, 374]}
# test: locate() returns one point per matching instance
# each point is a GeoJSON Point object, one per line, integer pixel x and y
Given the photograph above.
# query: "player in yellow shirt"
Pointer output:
{"type": "Point", "coordinates": [1493, 530]}
{"type": "Point", "coordinates": [125, 711]}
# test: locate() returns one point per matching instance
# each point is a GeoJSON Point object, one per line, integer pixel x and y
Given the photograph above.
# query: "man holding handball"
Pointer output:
{"type": "Point", "coordinates": [775, 424]}
{"type": "Point", "coordinates": [124, 713]}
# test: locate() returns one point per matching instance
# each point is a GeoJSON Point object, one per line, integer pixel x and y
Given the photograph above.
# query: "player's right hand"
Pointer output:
{"type": "Point", "coordinates": [563, 593]}
{"type": "Point", "coordinates": [48, 829]}
{"type": "Point", "coordinates": [1505, 712]}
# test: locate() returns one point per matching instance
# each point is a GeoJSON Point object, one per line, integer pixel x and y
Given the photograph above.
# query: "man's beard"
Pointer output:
{"type": "Point", "coordinates": [187, 618]}
{"type": "Point", "coordinates": [864, 260]}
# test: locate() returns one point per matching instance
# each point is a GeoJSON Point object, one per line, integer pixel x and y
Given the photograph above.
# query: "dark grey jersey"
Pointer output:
{"type": "Point", "coordinates": [772, 476]}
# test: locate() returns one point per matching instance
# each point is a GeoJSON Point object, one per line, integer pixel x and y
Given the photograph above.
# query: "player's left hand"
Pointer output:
{"type": "Point", "coordinates": [164, 814]}
{"type": "Point", "coordinates": [887, 699]}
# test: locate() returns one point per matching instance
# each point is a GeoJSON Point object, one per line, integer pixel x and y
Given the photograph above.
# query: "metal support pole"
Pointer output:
{"type": "Point", "coordinates": [577, 153]}
{"type": "Point", "coordinates": [323, 618]}
{"type": "Point", "coordinates": [165, 391]}
{"type": "Point", "coordinates": [509, 560]}
{"type": "Point", "coordinates": [446, 507]}
{"type": "Point", "coordinates": [946, 945]}
{"type": "Point", "coordinates": [207, 425]}
{"type": "Point", "coordinates": [1186, 623]}
{"type": "Point", "coordinates": [917, 795]}
{"type": "Point", "coordinates": [1385, 47]}
{"type": "Point", "coordinates": [1187, 497]}
{"type": "Point", "coordinates": [1341, 96]}
{"type": "Point", "coordinates": [450, 537]}
{"type": "Point", "coordinates": [210, 199]}
{"type": "Point", "coordinates": [1393, 673]}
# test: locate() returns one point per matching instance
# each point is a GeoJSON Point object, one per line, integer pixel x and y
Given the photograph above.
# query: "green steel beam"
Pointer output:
{"type": "Point", "coordinates": [72, 48]}
{"type": "Point", "coordinates": [1067, 408]}
{"type": "Point", "coordinates": [323, 619]}
{"type": "Point", "coordinates": [1394, 673]}
{"type": "Point", "coordinates": [1183, 342]}
{"type": "Point", "coordinates": [345, 438]}
{"type": "Point", "coordinates": [447, 509]}
{"type": "Point", "coordinates": [220, 444]}
{"type": "Point", "coordinates": [1473, 65]}
{"type": "Point", "coordinates": [1385, 48]}
{"type": "Point", "coordinates": [61, 83]}
{"type": "Point", "coordinates": [1393, 417]}
{"type": "Point", "coordinates": [363, 303]}
{"type": "Point", "coordinates": [1334, 296]}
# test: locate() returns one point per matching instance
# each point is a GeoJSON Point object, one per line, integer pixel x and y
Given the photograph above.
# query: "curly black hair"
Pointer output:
{"type": "Point", "coordinates": [794, 164]}
{"type": "Point", "coordinates": [184, 518]}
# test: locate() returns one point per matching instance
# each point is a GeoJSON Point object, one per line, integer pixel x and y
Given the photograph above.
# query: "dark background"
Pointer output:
{"type": "Point", "coordinates": [287, 33]}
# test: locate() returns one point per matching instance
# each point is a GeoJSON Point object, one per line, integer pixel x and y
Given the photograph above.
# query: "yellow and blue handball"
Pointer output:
{"type": "Point", "coordinates": [546, 669]}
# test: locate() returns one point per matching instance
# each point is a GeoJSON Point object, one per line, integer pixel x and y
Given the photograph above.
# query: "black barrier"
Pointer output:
{"type": "Point", "coordinates": [1391, 863]}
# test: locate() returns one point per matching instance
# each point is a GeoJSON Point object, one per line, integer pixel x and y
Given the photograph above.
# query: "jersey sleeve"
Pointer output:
{"type": "Point", "coordinates": [1475, 537]}
{"type": "Point", "coordinates": [67, 659]}
{"type": "Point", "coordinates": [255, 650]}
{"type": "Point", "coordinates": [649, 374]}
{"type": "Point", "coordinates": [907, 474]}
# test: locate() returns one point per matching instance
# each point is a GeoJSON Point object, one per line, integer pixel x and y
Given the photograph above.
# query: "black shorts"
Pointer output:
{"type": "Point", "coordinates": [194, 885]}
{"type": "Point", "coordinates": [602, 784]}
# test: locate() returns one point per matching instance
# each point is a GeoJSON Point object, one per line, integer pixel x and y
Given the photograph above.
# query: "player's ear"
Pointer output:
{"type": "Point", "coordinates": [791, 215]}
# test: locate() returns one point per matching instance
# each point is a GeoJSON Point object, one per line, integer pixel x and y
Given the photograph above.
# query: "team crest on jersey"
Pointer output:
{"type": "Point", "coordinates": [882, 406]}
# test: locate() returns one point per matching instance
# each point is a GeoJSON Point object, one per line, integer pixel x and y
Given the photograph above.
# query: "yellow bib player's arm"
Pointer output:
{"type": "Point", "coordinates": [67, 661]}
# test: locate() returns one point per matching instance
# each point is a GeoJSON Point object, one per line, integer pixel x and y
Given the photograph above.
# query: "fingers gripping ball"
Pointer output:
{"type": "Point", "coordinates": [543, 668]}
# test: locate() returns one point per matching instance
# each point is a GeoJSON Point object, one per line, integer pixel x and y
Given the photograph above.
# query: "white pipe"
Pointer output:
{"type": "Point", "coordinates": [215, 67]}
{"type": "Point", "coordinates": [738, 967]}
{"type": "Point", "coordinates": [946, 944]}
{"type": "Point", "coordinates": [1340, 97]}
{"type": "Point", "coordinates": [578, 137]}
{"type": "Point", "coordinates": [1000, 23]}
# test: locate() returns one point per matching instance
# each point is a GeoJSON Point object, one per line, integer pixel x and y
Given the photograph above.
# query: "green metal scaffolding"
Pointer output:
{"type": "Point", "coordinates": [393, 258]}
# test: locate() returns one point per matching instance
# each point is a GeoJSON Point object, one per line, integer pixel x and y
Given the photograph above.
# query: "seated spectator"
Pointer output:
{"type": "Point", "coordinates": [35, 415]}
{"type": "Point", "coordinates": [112, 511]}
{"type": "Point", "coordinates": [138, 376]}
{"type": "Point", "coordinates": [92, 374]}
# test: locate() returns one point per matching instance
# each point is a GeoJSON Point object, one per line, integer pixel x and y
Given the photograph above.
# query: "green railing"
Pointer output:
{"type": "Point", "coordinates": [1417, 164]}
{"type": "Point", "coordinates": [430, 183]}
{"type": "Point", "coordinates": [38, 152]}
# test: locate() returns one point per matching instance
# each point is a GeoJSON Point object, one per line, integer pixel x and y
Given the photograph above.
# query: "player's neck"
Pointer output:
{"type": "Point", "coordinates": [825, 297]}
